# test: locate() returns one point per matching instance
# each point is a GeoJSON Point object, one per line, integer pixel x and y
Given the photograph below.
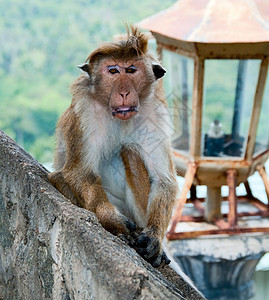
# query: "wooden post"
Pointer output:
{"type": "Point", "coordinates": [213, 204]}
{"type": "Point", "coordinates": [196, 124]}
{"type": "Point", "coordinates": [231, 182]}
{"type": "Point", "coordinates": [257, 104]}
{"type": "Point", "coordinates": [190, 173]}
{"type": "Point", "coordinates": [262, 172]}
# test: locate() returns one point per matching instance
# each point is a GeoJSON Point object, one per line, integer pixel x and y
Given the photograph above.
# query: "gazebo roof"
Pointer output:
{"type": "Point", "coordinates": [213, 28]}
{"type": "Point", "coordinates": [213, 21]}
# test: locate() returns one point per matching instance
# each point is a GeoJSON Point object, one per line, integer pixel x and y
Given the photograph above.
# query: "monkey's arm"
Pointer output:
{"type": "Point", "coordinates": [82, 186]}
{"type": "Point", "coordinates": [87, 192]}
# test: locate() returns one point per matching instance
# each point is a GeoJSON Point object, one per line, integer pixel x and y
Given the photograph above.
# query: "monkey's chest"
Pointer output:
{"type": "Point", "coordinates": [113, 177]}
{"type": "Point", "coordinates": [114, 183]}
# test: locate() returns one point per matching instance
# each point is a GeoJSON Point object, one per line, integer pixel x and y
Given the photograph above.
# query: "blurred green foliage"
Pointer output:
{"type": "Point", "coordinates": [42, 42]}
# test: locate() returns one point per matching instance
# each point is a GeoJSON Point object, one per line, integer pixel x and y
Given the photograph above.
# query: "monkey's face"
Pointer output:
{"type": "Point", "coordinates": [122, 86]}
{"type": "Point", "coordinates": [126, 85]}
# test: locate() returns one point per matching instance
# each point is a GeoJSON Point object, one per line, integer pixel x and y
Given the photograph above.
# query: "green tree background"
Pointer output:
{"type": "Point", "coordinates": [42, 42]}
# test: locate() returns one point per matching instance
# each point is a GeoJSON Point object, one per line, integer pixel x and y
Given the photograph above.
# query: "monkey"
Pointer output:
{"type": "Point", "coordinates": [113, 151]}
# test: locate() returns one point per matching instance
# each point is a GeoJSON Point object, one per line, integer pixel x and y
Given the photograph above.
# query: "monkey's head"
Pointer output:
{"type": "Point", "coordinates": [122, 75]}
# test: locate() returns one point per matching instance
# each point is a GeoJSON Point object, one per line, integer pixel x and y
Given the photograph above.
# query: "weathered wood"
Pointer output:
{"type": "Point", "coordinates": [263, 174]}
{"type": "Point", "coordinates": [230, 231]}
{"type": "Point", "coordinates": [257, 104]}
{"type": "Point", "coordinates": [192, 167]}
{"type": "Point", "coordinates": [213, 203]}
{"type": "Point", "coordinates": [197, 104]}
{"type": "Point", "coordinates": [231, 182]}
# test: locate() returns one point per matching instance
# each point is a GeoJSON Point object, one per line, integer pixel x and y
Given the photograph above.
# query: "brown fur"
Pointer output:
{"type": "Point", "coordinates": [137, 178]}
{"type": "Point", "coordinates": [101, 160]}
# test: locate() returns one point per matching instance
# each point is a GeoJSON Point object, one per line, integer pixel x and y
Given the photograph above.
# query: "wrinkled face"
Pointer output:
{"type": "Point", "coordinates": [123, 85]}
{"type": "Point", "coordinates": [127, 83]}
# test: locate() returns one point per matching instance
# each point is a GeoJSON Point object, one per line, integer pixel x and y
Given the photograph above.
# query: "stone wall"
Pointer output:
{"type": "Point", "coordinates": [51, 249]}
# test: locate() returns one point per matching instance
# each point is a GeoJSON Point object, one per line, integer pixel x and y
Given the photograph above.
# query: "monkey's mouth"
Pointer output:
{"type": "Point", "coordinates": [124, 112]}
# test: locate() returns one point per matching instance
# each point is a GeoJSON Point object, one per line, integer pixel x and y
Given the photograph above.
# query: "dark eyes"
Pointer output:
{"type": "Point", "coordinates": [131, 69]}
{"type": "Point", "coordinates": [113, 70]}
{"type": "Point", "coordinates": [116, 69]}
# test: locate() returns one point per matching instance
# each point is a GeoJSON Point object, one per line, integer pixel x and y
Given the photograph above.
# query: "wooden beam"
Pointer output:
{"type": "Point", "coordinates": [257, 104]}
{"type": "Point", "coordinates": [263, 174]}
{"type": "Point", "coordinates": [230, 231]}
{"type": "Point", "coordinates": [231, 182]}
{"type": "Point", "coordinates": [190, 173]}
{"type": "Point", "coordinates": [196, 123]}
{"type": "Point", "coordinates": [248, 190]}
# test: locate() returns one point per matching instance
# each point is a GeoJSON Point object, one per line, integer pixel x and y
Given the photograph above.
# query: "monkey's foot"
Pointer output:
{"type": "Point", "coordinates": [149, 247]}
{"type": "Point", "coordinates": [129, 224]}
{"type": "Point", "coordinates": [131, 238]}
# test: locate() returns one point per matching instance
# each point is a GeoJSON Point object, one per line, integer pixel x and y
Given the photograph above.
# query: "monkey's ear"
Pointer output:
{"type": "Point", "coordinates": [158, 71]}
{"type": "Point", "coordinates": [85, 67]}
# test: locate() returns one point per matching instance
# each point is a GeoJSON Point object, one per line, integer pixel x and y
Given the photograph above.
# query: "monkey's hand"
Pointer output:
{"type": "Point", "coordinates": [148, 245]}
{"type": "Point", "coordinates": [131, 237]}
{"type": "Point", "coordinates": [117, 224]}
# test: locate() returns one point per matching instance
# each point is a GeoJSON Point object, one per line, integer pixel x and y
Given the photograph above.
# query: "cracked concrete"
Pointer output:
{"type": "Point", "coordinates": [51, 249]}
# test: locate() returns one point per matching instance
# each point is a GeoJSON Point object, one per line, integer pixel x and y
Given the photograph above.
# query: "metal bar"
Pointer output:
{"type": "Point", "coordinates": [263, 174]}
{"type": "Point", "coordinates": [197, 104]}
{"type": "Point", "coordinates": [257, 104]}
{"type": "Point", "coordinates": [231, 182]}
{"type": "Point", "coordinates": [190, 173]}
{"type": "Point", "coordinates": [195, 234]}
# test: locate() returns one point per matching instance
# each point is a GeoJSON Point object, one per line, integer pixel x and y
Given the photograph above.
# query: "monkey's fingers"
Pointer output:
{"type": "Point", "coordinates": [131, 237]}
{"type": "Point", "coordinates": [159, 259]}
{"type": "Point", "coordinates": [147, 245]}
{"type": "Point", "coordinates": [130, 225]}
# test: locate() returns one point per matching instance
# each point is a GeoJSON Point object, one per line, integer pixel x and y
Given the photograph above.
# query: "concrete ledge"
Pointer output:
{"type": "Point", "coordinates": [51, 249]}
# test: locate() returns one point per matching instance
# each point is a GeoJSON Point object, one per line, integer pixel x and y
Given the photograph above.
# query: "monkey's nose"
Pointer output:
{"type": "Point", "coordinates": [124, 95]}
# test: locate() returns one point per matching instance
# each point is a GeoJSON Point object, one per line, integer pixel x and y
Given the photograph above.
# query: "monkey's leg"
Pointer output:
{"type": "Point", "coordinates": [161, 196]}
{"type": "Point", "coordinates": [149, 243]}
{"type": "Point", "coordinates": [111, 219]}
{"type": "Point", "coordinates": [89, 194]}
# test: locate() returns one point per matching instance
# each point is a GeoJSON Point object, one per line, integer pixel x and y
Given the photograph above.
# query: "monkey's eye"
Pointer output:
{"type": "Point", "coordinates": [113, 69]}
{"type": "Point", "coordinates": [131, 69]}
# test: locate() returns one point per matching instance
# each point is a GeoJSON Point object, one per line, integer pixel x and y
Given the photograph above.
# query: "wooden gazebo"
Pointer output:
{"type": "Point", "coordinates": [198, 39]}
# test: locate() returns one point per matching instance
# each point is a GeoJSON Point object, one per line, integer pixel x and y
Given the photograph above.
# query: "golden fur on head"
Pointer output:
{"type": "Point", "coordinates": [136, 44]}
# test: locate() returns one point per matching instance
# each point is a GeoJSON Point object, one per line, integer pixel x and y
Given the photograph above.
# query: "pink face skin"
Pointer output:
{"type": "Point", "coordinates": [124, 84]}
